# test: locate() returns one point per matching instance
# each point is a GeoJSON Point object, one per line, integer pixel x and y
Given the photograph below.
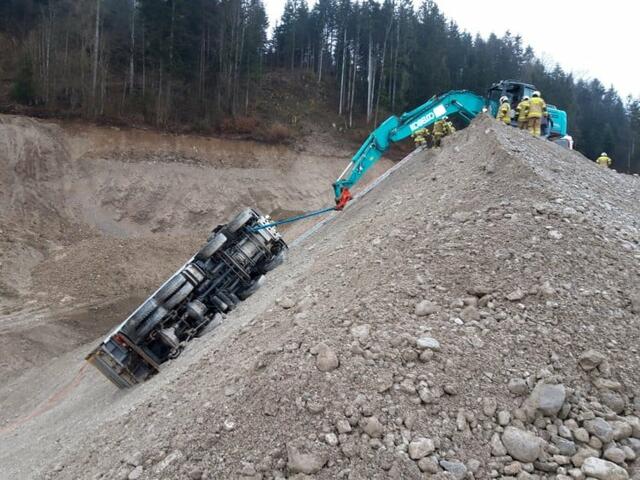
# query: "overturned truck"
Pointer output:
{"type": "Point", "coordinates": [227, 269]}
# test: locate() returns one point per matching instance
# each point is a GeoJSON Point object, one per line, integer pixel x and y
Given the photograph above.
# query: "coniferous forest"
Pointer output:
{"type": "Point", "coordinates": [198, 62]}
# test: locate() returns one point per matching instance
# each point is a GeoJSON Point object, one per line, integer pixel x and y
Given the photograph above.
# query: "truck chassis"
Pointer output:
{"type": "Point", "coordinates": [226, 270]}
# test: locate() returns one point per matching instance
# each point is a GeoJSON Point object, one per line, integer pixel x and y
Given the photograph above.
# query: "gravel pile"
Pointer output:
{"type": "Point", "coordinates": [475, 316]}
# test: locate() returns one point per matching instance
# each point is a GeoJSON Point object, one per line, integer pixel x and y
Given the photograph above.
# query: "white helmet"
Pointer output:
{"type": "Point", "coordinates": [535, 94]}
{"type": "Point", "coordinates": [603, 154]}
{"type": "Point", "coordinates": [526, 97]}
{"type": "Point", "coordinates": [504, 99]}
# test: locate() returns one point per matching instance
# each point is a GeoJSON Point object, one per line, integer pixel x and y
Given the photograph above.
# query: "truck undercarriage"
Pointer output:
{"type": "Point", "coordinates": [226, 270]}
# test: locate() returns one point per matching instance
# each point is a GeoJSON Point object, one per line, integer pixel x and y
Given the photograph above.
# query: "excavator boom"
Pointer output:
{"type": "Point", "coordinates": [460, 103]}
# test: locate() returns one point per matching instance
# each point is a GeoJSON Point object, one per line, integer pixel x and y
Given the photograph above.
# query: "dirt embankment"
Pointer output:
{"type": "Point", "coordinates": [93, 216]}
{"type": "Point", "coordinates": [475, 316]}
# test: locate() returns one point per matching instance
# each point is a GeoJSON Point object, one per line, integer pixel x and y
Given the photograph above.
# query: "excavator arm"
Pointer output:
{"type": "Point", "coordinates": [461, 103]}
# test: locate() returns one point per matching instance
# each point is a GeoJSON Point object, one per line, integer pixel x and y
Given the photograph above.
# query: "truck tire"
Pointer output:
{"type": "Point", "coordinates": [239, 221]}
{"type": "Point", "coordinates": [151, 322]}
{"type": "Point", "coordinates": [253, 288]}
{"type": "Point", "coordinates": [275, 262]}
{"type": "Point", "coordinates": [138, 317]}
{"type": "Point", "coordinates": [169, 288]}
{"type": "Point", "coordinates": [211, 247]}
{"type": "Point", "coordinates": [178, 297]}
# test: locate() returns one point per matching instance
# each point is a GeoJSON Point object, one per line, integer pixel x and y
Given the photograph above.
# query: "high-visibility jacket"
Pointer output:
{"type": "Point", "coordinates": [522, 110]}
{"type": "Point", "coordinates": [438, 128]}
{"type": "Point", "coordinates": [603, 161]}
{"type": "Point", "coordinates": [537, 108]}
{"type": "Point", "coordinates": [503, 113]}
{"type": "Point", "coordinates": [449, 128]}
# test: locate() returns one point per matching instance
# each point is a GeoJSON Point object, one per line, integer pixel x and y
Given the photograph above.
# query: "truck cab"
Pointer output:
{"type": "Point", "coordinates": [554, 128]}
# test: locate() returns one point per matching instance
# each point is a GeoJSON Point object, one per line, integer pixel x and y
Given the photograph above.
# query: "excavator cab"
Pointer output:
{"type": "Point", "coordinates": [553, 127]}
{"type": "Point", "coordinates": [513, 89]}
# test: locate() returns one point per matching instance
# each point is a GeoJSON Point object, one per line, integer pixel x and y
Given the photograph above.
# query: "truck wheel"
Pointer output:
{"type": "Point", "coordinates": [150, 323]}
{"type": "Point", "coordinates": [211, 247]}
{"type": "Point", "coordinates": [178, 297]}
{"type": "Point", "coordinates": [239, 221]}
{"type": "Point", "coordinates": [169, 288]}
{"type": "Point", "coordinates": [274, 262]}
{"type": "Point", "coordinates": [139, 316]}
{"type": "Point", "coordinates": [253, 288]}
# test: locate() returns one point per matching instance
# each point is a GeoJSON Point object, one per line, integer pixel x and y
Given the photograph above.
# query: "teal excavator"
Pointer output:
{"type": "Point", "coordinates": [460, 105]}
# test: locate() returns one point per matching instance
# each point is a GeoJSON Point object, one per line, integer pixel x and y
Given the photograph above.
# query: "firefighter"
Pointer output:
{"type": "Point", "coordinates": [537, 110]}
{"type": "Point", "coordinates": [603, 160]}
{"type": "Point", "coordinates": [420, 137]}
{"type": "Point", "coordinates": [438, 132]}
{"type": "Point", "coordinates": [522, 110]}
{"type": "Point", "coordinates": [448, 126]}
{"type": "Point", "coordinates": [504, 111]}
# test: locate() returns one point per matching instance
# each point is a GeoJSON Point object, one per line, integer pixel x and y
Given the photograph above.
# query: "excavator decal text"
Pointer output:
{"type": "Point", "coordinates": [438, 111]}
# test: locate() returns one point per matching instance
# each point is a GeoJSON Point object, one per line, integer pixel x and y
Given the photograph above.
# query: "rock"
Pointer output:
{"type": "Point", "coordinates": [513, 469]}
{"type": "Point", "coordinates": [606, 384]}
{"type": "Point", "coordinates": [583, 453]}
{"type": "Point", "coordinates": [621, 430]}
{"type": "Point", "coordinates": [613, 400]}
{"type": "Point", "coordinates": [425, 307]}
{"type": "Point", "coordinates": [429, 465]}
{"type": "Point", "coordinates": [343, 426]}
{"type": "Point", "coordinates": [616, 455]}
{"type": "Point", "coordinates": [516, 295]}
{"type": "Point", "coordinates": [470, 314]}
{"type": "Point", "coordinates": [421, 447]}
{"type": "Point", "coordinates": [518, 386]}
{"type": "Point", "coordinates": [591, 359]}
{"type": "Point", "coordinates": [635, 425]}
{"type": "Point", "coordinates": [521, 445]}
{"type": "Point", "coordinates": [373, 427]}
{"type": "Point", "coordinates": [603, 469]}
{"type": "Point", "coordinates": [136, 473]}
{"type": "Point", "coordinates": [581, 435]}
{"type": "Point", "coordinates": [426, 356]}
{"type": "Point", "coordinates": [600, 428]}
{"type": "Point", "coordinates": [555, 234]}
{"type": "Point", "coordinates": [331, 439]}
{"type": "Point", "coordinates": [307, 463]}
{"type": "Point", "coordinates": [174, 456]}
{"type": "Point", "coordinates": [565, 447]}
{"type": "Point", "coordinates": [457, 469]}
{"type": "Point", "coordinates": [286, 302]}
{"type": "Point", "coordinates": [450, 389]}
{"type": "Point", "coordinates": [547, 399]}
{"type": "Point", "coordinates": [428, 343]}
{"type": "Point", "coordinates": [361, 332]}
{"type": "Point", "coordinates": [504, 417]}
{"type": "Point", "coordinates": [497, 447]}
{"type": "Point", "coordinates": [474, 465]}
{"type": "Point", "coordinates": [327, 359]}
{"type": "Point", "coordinates": [489, 406]}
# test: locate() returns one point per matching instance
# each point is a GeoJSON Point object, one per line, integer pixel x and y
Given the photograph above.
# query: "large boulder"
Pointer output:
{"type": "Point", "coordinates": [603, 469]}
{"type": "Point", "coordinates": [547, 399]}
{"type": "Point", "coordinates": [522, 445]}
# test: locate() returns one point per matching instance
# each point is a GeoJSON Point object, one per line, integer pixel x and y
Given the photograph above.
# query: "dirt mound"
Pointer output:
{"type": "Point", "coordinates": [475, 314]}
{"type": "Point", "coordinates": [93, 216]}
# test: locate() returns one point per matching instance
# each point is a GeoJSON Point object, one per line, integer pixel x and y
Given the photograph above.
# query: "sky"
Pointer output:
{"type": "Point", "coordinates": [588, 38]}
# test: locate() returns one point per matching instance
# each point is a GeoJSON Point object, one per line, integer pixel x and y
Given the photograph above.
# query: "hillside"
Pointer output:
{"type": "Point", "coordinates": [476, 313]}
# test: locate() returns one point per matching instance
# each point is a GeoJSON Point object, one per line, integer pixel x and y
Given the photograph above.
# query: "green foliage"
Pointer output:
{"type": "Point", "coordinates": [23, 90]}
{"type": "Point", "coordinates": [198, 61]}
